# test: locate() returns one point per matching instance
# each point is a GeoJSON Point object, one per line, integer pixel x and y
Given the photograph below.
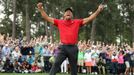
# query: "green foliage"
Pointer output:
{"type": "Point", "coordinates": [109, 25]}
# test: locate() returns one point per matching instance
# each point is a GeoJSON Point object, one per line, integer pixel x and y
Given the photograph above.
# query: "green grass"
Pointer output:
{"type": "Point", "coordinates": [34, 74]}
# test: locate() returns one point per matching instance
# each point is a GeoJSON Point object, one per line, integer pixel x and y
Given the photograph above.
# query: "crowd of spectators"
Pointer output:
{"type": "Point", "coordinates": [38, 56]}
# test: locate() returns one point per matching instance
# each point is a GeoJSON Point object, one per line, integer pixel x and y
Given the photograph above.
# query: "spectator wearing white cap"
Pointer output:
{"type": "Point", "coordinates": [6, 52]}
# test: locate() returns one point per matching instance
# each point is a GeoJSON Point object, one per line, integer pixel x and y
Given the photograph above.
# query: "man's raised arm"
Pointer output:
{"type": "Point", "coordinates": [93, 16]}
{"type": "Point", "coordinates": [43, 13]}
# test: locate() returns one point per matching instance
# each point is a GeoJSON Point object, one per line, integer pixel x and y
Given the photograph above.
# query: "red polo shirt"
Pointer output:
{"type": "Point", "coordinates": [68, 30]}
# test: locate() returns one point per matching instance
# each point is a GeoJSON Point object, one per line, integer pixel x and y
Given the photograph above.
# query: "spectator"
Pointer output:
{"type": "Point", "coordinates": [16, 53]}
{"type": "Point", "coordinates": [0, 52]}
{"type": "Point", "coordinates": [5, 52]}
{"type": "Point", "coordinates": [1, 65]}
{"type": "Point", "coordinates": [30, 59]}
{"type": "Point", "coordinates": [114, 63]}
{"type": "Point", "coordinates": [8, 66]}
{"type": "Point", "coordinates": [101, 65]}
{"type": "Point", "coordinates": [121, 62]}
{"type": "Point", "coordinates": [132, 63]}
{"type": "Point", "coordinates": [35, 67]}
{"type": "Point", "coordinates": [88, 60]}
{"type": "Point", "coordinates": [80, 60]}
{"type": "Point", "coordinates": [127, 59]}
{"type": "Point", "coordinates": [25, 67]}
{"type": "Point", "coordinates": [64, 66]}
{"type": "Point", "coordinates": [47, 55]}
{"type": "Point", "coordinates": [24, 52]}
{"type": "Point", "coordinates": [37, 49]}
{"type": "Point", "coordinates": [20, 61]}
{"type": "Point", "coordinates": [17, 68]}
{"type": "Point", "coordinates": [94, 57]}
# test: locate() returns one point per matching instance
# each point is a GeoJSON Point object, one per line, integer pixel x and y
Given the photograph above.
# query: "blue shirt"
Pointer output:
{"type": "Point", "coordinates": [46, 52]}
{"type": "Point", "coordinates": [30, 60]}
{"type": "Point", "coordinates": [5, 51]}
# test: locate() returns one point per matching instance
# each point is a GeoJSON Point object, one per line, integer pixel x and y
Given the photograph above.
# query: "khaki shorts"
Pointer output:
{"type": "Point", "coordinates": [81, 62]}
{"type": "Point", "coordinates": [127, 64]}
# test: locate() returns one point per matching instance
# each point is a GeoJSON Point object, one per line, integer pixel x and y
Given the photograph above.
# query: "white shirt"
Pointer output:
{"type": "Point", "coordinates": [114, 57]}
{"type": "Point", "coordinates": [16, 54]}
{"type": "Point", "coordinates": [87, 57]}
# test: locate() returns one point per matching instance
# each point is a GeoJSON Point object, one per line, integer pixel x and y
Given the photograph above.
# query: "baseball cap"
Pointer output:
{"type": "Point", "coordinates": [68, 9]}
{"type": "Point", "coordinates": [6, 44]}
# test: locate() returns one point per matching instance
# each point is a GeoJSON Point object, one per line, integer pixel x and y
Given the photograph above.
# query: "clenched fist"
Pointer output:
{"type": "Point", "coordinates": [100, 8]}
{"type": "Point", "coordinates": [40, 6]}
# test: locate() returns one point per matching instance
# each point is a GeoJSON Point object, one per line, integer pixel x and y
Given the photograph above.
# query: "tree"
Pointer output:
{"type": "Point", "coordinates": [14, 20]}
{"type": "Point", "coordinates": [109, 26]}
{"type": "Point", "coordinates": [93, 31]}
{"type": "Point", "coordinates": [27, 21]}
{"type": "Point", "coordinates": [126, 10]}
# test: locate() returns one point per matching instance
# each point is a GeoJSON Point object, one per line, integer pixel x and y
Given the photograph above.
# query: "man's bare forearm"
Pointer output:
{"type": "Point", "coordinates": [46, 17]}
{"type": "Point", "coordinates": [43, 13]}
{"type": "Point", "coordinates": [90, 18]}
{"type": "Point", "coordinates": [93, 16]}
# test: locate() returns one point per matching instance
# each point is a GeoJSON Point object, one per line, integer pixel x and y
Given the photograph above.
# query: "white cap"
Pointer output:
{"type": "Point", "coordinates": [6, 44]}
{"type": "Point", "coordinates": [93, 46]}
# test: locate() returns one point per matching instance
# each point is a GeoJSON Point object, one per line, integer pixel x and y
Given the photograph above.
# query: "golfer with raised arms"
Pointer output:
{"type": "Point", "coordinates": [68, 29]}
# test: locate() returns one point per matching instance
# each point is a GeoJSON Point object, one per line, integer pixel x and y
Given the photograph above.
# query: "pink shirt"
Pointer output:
{"type": "Point", "coordinates": [120, 59]}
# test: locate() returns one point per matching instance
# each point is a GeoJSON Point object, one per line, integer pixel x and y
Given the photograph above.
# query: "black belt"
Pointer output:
{"type": "Point", "coordinates": [69, 44]}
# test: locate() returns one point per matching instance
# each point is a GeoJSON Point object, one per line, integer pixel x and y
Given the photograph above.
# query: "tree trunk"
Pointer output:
{"type": "Point", "coordinates": [93, 30]}
{"type": "Point", "coordinates": [27, 22]}
{"type": "Point", "coordinates": [46, 23]}
{"type": "Point", "coordinates": [14, 20]}
{"type": "Point", "coordinates": [46, 28]}
{"type": "Point", "coordinates": [132, 20]}
{"type": "Point", "coordinates": [133, 35]}
{"type": "Point", "coordinates": [51, 26]}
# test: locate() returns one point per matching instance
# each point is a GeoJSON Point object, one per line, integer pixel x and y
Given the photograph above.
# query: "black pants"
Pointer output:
{"type": "Point", "coordinates": [47, 64]}
{"type": "Point", "coordinates": [66, 51]}
{"type": "Point", "coordinates": [114, 66]}
{"type": "Point", "coordinates": [121, 68]}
